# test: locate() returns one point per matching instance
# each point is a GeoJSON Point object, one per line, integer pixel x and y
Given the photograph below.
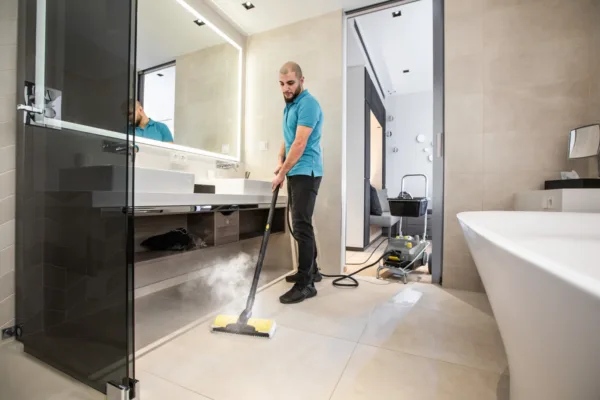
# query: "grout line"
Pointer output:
{"type": "Point", "coordinates": [435, 359]}
{"type": "Point", "coordinates": [337, 384]}
{"type": "Point", "coordinates": [173, 383]}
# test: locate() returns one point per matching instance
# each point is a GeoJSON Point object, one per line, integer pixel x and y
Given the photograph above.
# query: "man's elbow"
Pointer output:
{"type": "Point", "coordinates": [300, 146]}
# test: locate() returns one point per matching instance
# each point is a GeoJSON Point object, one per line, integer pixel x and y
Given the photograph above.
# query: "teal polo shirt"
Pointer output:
{"type": "Point", "coordinates": [155, 131]}
{"type": "Point", "coordinates": [304, 111]}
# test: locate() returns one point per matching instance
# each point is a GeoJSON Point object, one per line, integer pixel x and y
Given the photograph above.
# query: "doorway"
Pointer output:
{"type": "Point", "coordinates": [399, 46]}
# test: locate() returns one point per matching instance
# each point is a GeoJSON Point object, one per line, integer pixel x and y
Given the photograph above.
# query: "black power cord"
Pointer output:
{"type": "Point", "coordinates": [337, 282]}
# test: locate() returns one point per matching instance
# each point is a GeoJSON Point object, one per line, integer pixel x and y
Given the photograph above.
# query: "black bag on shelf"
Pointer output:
{"type": "Point", "coordinates": [175, 240]}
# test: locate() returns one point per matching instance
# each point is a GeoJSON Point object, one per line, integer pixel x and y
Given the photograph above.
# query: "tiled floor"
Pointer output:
{"type": "Point", "coordinates": [382, 340]}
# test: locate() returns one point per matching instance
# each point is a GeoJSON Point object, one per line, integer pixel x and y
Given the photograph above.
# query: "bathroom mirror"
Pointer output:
{"type": "Point", "coordinates": [189, 79]}
{"type": "Point", "coordinates": [584, 142]}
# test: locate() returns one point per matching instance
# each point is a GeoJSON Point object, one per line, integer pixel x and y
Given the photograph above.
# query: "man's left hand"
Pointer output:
{"type": "Point", "coordinates": [277, 181]}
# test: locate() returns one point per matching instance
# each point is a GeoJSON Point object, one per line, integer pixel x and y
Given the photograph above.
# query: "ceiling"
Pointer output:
{"type": "Point", "coordinates": [271, 14]}
{"type": "Point", "coordinates": [398, 44]}
{"type": "Point", "coordinates": [166, 31]}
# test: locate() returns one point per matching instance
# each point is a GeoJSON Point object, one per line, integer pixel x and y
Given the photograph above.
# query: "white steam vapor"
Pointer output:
{"type": "Point", "coordinates": [226, 279]}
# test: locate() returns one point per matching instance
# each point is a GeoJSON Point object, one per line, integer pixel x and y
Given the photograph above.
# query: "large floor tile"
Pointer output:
{"type": "Point", "coordinates": [337, 312]}
{"type": "Point", "coordinates": [381, 374]}
{"type": "Point", "coordinates": [24, 377]}
{"type": "Point", "coordinates": [452, 302]}
{"type": "Point", "coordinates": [469, 339]}
{"type": "Point", "coordinates": [291, 365]}
{"type": "Point", "coordinates": [155, 388]}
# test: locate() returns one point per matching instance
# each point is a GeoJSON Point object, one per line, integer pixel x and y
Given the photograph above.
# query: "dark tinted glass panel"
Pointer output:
{"type": "Point", "coordinates": [74, 286]}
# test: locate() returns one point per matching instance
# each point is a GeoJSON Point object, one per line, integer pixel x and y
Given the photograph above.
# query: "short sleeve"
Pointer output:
{"type": "Point", "coordinates": [309, 113]}
{"type": "Point", "coordinates": [167, 136]}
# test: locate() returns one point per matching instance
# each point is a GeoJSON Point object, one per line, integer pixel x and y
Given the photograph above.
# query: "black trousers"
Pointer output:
{"type": "Point", "coordinates": [303, 190]}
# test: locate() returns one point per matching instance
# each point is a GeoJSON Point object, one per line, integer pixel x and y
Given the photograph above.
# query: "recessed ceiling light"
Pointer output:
{"type": "Point", "coordinates": [406, 71]}
{"type": "Point", "coordinates": [396, 14]}
{"type": "Point", "coordinates": [199, 22]}
{"type": "Point", "coordinates": [248, 5]}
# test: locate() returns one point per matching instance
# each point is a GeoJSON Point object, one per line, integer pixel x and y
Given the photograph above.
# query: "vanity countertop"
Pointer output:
{"type": "Point", "coordinates": [115, 199]}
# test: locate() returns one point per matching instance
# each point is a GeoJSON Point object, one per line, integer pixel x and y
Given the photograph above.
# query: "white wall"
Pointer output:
{"type": "Point", "coordinates": [355, 156]}
{"type": "Point", "coordinates": [413, 115]}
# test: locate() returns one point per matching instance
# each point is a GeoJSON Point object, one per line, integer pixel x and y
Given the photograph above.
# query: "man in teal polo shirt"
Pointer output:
{"type": "Point", "coordinates": [147, 128]}
{"type": "Point", "coordinates": [301, 160]}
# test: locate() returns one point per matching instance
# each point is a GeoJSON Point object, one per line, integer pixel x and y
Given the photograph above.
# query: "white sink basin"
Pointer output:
{"type": "Point", "coordinates": [242, 186]}
{"type": "Point", "coordinates": [111, 178]}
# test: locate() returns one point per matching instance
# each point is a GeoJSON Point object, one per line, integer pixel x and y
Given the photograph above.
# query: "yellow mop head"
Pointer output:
{"type": "Point", "coordinates": [254, 326]}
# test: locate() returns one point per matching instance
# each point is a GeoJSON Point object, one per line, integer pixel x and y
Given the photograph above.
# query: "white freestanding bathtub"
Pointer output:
{"type": "Point", "coordinates": [541, 272]}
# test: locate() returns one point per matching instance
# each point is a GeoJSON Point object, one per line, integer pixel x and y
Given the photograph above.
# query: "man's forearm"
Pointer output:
{"type": "Point", "coordinates": [281, 154]}
{"type": "Point", "coordinates": [296, 151]}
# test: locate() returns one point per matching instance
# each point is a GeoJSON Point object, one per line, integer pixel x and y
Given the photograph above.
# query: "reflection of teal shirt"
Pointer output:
{"type": "Point", "coordinates": [305, 111]}
{"type": "Point", "coordinates": [155, 131]}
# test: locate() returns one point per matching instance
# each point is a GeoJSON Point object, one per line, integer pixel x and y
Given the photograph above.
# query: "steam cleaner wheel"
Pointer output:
{"type": "Point", "coordinates": [429, 264]}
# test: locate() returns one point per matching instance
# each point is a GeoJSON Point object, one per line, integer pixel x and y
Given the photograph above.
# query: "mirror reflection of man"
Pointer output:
{"type": "Point", "coordinates": [148, 128]}
{"type": "Point", "coordinates": [301, 160]}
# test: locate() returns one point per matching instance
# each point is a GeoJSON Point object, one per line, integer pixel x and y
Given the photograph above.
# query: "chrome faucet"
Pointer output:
{"type": "Point", "coordinates": [226, 165]}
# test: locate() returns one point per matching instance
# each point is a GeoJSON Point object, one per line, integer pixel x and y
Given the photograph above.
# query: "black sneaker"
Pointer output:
{"type": "Point", "coordinates": [298, 294]}
{"type": "Point", "coordinates": [317, 277]}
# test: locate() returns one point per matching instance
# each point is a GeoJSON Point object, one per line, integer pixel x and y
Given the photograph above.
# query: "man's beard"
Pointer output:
{"type": "Point", "coordinates": [296, 94]}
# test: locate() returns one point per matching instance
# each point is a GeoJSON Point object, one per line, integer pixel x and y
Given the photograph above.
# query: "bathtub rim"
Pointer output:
{"type": "Point", "coordinates": [580, 281]}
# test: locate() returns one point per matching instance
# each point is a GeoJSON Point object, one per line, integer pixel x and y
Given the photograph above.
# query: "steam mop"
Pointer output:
{"type": "Point", "coordinates": [244, 324]}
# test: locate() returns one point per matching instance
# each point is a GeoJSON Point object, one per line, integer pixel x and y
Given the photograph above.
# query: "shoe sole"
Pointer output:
{"type": "Point", "coordinates": [299, 301]}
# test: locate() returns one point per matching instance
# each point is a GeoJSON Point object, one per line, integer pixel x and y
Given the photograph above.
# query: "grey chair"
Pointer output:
{"type": "Point", "coordinates": [385, 220]}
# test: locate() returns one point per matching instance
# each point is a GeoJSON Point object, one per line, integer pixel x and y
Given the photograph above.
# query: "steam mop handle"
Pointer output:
{"type": "Point", "coordinates": [261, 255]}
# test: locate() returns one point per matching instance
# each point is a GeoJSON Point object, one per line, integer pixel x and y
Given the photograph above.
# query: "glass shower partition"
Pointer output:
{"type": "Point", "coordinates": [75, 158]}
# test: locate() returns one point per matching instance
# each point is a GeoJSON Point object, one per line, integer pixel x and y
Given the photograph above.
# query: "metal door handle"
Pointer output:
{"type": "Point", "coordinates": [439, 145]}
{"type": "Point", "coordinates": [31, 109]}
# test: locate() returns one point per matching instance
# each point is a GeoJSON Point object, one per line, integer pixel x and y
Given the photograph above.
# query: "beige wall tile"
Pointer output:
{"type": "Point", "coordinates": [8, 33]}
{"type": "Point", "coordinates": [7, 209]}
{"type": "Point", "coordinates": [463, 192]}
{"type": "Point", "coordinates": [8, 57]}
{"type": "Point", "coordinates": [7, 159]}
{"type": "Point", "coordinates": [7, 108]}
{"type": "Point", "coordinates": [552, 109]}
{"type": "Point", "coordinates": [500, 188]}
{"type": "Point", "coordinates": [8, 135]}
{"type": "Point", "coordinates": [7, 234]}
{"type": "Point", "coordinates": [537, 65]}
{"type": "Point", "coordinates": [528, 23]}
{"type": "Point", "coordinates": [464, 154]}
{"type": "Point", "coordinates": [460, 9]}
{"type": "Point", "coordinates": [460, 277]}
{"type": "Point", "coordinates": [464, 35]}
{"type": "Point", "coordinates": [464, 75]}
{"type": "Point", "coordinates": [7, 311]}
{"type": "Point", "coordinates": [464, 114]}
{"type": "Point", "coordinates": [8, 83]}
{"type": "Point", "coordinates": [7, 285]}
{"type": "Point", "coordinates": [9, 10]}
{"type": "Point", "coordinates": [7, 184]}
{"type": "Point", "coordinates": [536, 77]}
{"type": "Point", "coordinates": [509, 151]}
{"type": "Point", "coordinates": [7, 260]}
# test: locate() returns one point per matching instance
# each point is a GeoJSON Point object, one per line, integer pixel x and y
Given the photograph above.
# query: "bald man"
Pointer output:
{"type": "Point", "coordinates": [301, 160]}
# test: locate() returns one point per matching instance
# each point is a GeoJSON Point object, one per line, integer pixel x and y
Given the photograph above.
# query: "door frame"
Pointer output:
{"type": "Point", "coordinates": [438, 123]}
